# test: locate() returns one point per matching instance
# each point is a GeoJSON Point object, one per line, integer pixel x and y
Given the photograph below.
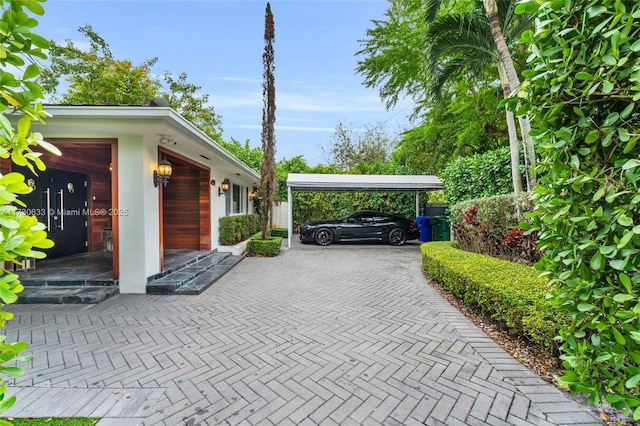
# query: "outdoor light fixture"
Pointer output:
{"type": "Point", "coordinates": [163, 173]}
{"type": "Point", "coordinates": [253, 194]}
{"type": "Point", "coordinates": [224, 187]}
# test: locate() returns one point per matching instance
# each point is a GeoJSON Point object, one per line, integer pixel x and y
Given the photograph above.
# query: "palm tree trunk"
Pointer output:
{"type": "Point", "coordinates": [529, 150]}
{"type": "Point", "coordinates": [514, 143]}
{"type": "Point", "coordinates": [491, 10]}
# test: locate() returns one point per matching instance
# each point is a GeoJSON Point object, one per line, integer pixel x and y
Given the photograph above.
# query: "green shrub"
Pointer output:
{"type": "Point", "coordinates": [491, 226]}
{"type": "Point", "coordinates": [22, 235]}
{"type": "Point", "coordinates": [479, 175]}
{"type": "Point", "coordinates": [280, 232]}
{"type": "Point", "coordinates": [234, 229]}
{"type": "Point", "coordinates": [268, 247]}
{"type": "Point", "coordinates": [581, 91]}
{"type": "Point", "coordinates": [510, 292]}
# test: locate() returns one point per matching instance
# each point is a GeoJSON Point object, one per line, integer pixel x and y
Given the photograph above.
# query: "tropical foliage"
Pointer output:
{"type": "Point", "coordinates": [349, 147]}
{"type": "Point", "coordinates": [252, 157]}
{"type": "Point", "coordinates": [20, 234]}
{"type": "Point", "coordinates": [583, 91]}
{"type": "Point", "coordinates": [459, 126]}
{"type": "Point", "coordinates": [95, 77]}
{"type": "Point", "coordinates": [480, 175]}
{"type": "Point", "coordinates": [445, 51]}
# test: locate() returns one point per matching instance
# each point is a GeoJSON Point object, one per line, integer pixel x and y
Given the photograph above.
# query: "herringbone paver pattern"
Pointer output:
{"type": "Point", "coordinates": [342, 335]}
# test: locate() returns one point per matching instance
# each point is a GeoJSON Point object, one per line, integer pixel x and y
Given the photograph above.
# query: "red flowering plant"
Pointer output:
{"type": "Point", "coordinates": [471, 216]}
{"type": "Point", "coordinates": [521, 247]}
{"type": "Point", "coordinates": [490, 226]}
{"type": "Point", "coordinates": [514, 237]}
{"type": "Point", "coordinates": [472, 233]}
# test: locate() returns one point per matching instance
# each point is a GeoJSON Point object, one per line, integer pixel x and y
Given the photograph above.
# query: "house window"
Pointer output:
{"type": "Point", "coordinates": [237, 199]}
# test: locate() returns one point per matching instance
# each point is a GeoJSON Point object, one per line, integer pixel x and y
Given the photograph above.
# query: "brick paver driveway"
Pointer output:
{"type": "Point", "coordinates": [319, 335]}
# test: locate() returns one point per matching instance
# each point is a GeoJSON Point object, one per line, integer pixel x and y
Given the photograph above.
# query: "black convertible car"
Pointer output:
{"type": "Point", "coordinates": [360, 226]}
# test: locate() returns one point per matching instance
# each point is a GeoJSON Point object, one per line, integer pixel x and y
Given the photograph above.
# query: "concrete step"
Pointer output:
{"type": "Point", "coordinates": [195, 277]}
{"type": "Point", "coordinates": [70, 282]}
{"type": "Point", "coordinates": [84, 294]}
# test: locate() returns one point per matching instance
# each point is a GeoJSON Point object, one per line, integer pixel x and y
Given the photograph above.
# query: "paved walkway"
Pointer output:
{"type": "Point", "coordinates": [339, 335]}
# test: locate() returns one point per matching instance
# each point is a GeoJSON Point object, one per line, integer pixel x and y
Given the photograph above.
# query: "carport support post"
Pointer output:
{"type": "Point", "coordinates": [417, 203]}
{"type": "Point", "coordinates": [290, 213]}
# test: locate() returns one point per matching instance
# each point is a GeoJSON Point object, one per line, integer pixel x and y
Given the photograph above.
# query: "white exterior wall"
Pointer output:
{"type": "Point", "coordinates": [281, 215]}
{"type": "Point", "coordinates": [139, 243]}
{"type": "Point", "coordinates": [140, 130]}
{"type": "Point", "coordinates": [217, 209]}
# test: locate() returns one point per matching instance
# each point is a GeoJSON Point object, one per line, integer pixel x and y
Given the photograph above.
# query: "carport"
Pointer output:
{"type": "Point", "coordinates": [308, 182]}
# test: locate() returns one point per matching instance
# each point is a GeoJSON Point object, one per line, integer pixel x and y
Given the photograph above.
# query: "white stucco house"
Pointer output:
{"type": "Point", "coordinates": [107, 188]}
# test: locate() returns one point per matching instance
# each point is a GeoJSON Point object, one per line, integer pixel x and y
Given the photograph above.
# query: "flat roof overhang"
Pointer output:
{"type": "Point", "coordinates": [306, 182]}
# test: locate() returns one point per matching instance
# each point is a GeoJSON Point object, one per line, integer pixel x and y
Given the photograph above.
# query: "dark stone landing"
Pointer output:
{"type": "Point", "coordinates": [88, 277]}
{"type": "Point", "coordinates": [82, 278]}
{"type": "Point", "coordinates": [193, 277]}
{"type": "Point", "coordinates": [68, 294]}
{"type": "Point", "coordinates": [84, 269]}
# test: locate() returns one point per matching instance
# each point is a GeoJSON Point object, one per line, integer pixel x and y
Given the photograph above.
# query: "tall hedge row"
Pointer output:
{"type": "Point", "coordinates": [234, 229]}
{"type": "Point", "coordinates": [582, 89]}
{"type": "Point", "coordinates": [479, 175]}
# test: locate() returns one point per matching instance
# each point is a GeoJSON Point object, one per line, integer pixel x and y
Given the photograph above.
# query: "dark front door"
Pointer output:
{"type": "Point", "coordinates": [60, 202]}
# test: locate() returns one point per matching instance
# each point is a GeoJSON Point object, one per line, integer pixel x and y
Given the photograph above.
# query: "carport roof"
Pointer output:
{"type": "Point", "coordinates": [307, 182]}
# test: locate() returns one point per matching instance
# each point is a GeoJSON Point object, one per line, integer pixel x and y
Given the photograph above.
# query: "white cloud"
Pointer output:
{"type": "Point", "coordinates": [302, 102]}
{"type": "Point", "coordinates": [237, 99]}
{"type": "Point", "coordinates": [236, 79]}
{"type": "Point", "coordinates": [327, 102]}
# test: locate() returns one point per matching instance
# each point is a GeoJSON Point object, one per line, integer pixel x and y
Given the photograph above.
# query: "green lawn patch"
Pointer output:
{"type": "Point", "coordinates": [54, 421]}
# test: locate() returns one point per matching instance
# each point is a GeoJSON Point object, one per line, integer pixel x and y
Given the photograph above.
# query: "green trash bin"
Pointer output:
{"type": "Point", "coordinates": [440, 230]}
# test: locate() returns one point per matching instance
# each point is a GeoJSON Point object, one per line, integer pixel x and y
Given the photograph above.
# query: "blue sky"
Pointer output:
{"type": "Point", "coordinates": [219, 44]}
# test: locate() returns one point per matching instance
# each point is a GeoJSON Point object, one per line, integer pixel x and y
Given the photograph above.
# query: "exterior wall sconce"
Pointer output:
{"type": "Point", "coordinates": [163, 173]}
{"type": "Point", "coordinates": [224, 187]}
{"type": "Point", "coordinates": [253, 194]}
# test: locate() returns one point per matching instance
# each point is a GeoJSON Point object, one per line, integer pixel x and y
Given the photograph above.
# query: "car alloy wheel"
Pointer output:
{"type": "Point", "coordinates": [397, 237]}
{"type": "Point", "coordinates": [324, 237]}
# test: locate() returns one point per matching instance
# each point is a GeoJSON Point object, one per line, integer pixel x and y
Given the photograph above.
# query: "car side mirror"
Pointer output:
{"type": "Point", "coordinates": [350, 220]}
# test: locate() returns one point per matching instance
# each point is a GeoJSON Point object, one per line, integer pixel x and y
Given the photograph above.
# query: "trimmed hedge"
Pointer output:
{"type": "Point", "coordinates": [479, 175]}
{"type": "Point", "coordinates": [234, 229]}
{"type": "Point", "coordinates": [510, 292]}
{"type": "Point", "coordinates": [499, 211]}
{"type": "Point", "coordinates": [280, 232]}
{"type": "Point", "coordinates": [268, 247]}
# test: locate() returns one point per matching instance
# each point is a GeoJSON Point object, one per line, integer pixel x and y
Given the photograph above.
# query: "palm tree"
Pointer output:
{"type": "Point", "coordinates": [395, 56]}
{"type": "Point", "coordinates": [491, 10]}
{"type": "Point", "coordinates": [462, 45]}
{"type": "Point", "coordinates": [467, 43]}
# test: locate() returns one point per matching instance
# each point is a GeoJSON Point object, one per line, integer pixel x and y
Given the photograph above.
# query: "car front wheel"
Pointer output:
{"type": "Point", "coordinates": [324, 237]}
{"type": "Point", "coordinates": [397, 237]}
